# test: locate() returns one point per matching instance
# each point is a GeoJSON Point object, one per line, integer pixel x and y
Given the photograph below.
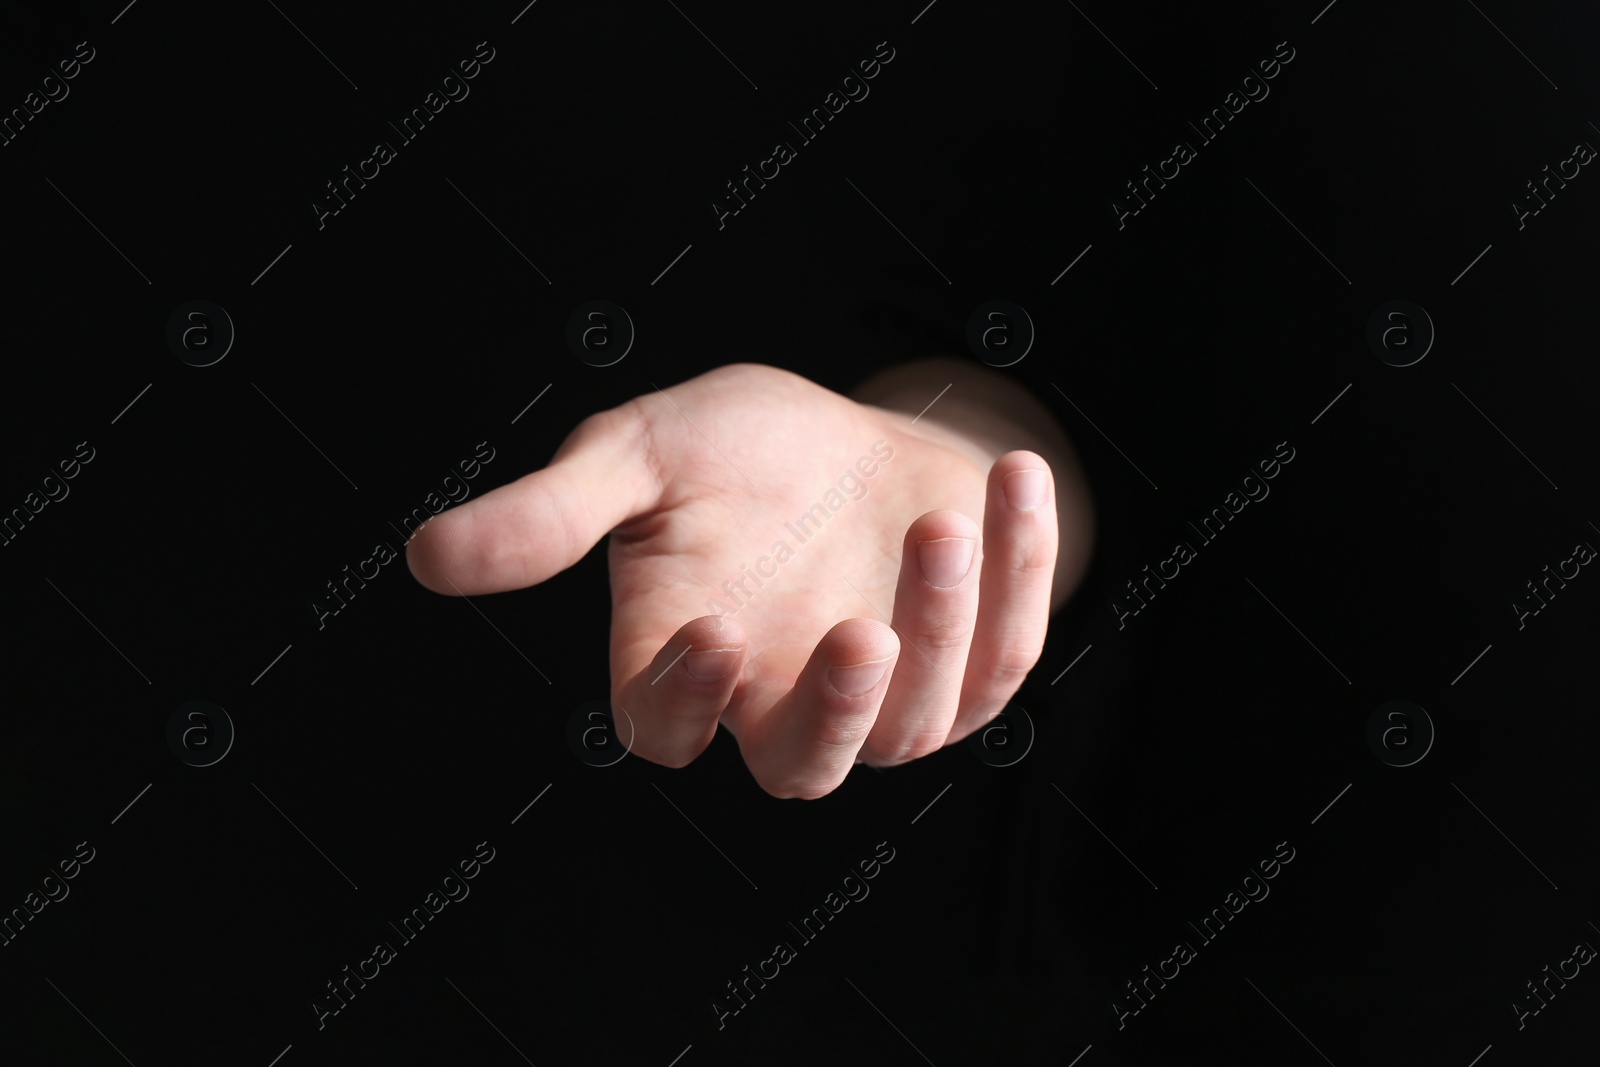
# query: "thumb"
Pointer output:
{"type": "Point", "coordinates": [539, 525]}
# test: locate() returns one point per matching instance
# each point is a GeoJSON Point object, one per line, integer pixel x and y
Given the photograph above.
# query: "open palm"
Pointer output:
{"type": "Point", "coordinates": [801, 567]}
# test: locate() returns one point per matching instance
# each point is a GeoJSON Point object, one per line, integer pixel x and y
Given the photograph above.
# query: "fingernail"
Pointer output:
{"type": "Point", "coordinates": [710, 664]}
{"type": "Point", "coordinates": [857, 679]}
{"type": "Point", "coordinates": [945, 561]}
{"type": "Point", "coordinates": [1024, 489]}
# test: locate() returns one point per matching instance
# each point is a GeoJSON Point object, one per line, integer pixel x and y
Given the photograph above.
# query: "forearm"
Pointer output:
{"type": "Point", "coordinates": [985, 414]}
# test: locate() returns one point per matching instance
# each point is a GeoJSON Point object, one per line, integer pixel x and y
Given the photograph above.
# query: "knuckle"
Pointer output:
{"type": "Point", "coordinates": [1014, 661]}
{"type": "Point", "coordinates": [945, 631]}
{"type": "Point", "coordinates": [611, 420]}
{"type": "Point", "coordinates": [983, 711]}
{"type": "Point", "coordinates": [792, 787]}
{"type": "Point", "coordinates": [1031, 557]}
{"type": "Point", "coordinates": [902, 750]}
{"type": "Point", "coordinates": [841, 732]}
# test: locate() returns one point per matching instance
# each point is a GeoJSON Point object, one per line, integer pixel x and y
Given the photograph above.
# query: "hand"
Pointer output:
{"type": "Point", "coordinates": [766, 532]}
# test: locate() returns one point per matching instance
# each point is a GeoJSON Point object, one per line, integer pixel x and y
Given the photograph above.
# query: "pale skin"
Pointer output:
{"type": "Point", "coordinates": [903, 624]}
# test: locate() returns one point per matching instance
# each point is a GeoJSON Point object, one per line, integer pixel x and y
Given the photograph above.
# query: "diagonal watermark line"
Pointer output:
{"type": "Point", "coordinates": [531, 803]}
{"type": "Point", "coordinates": [674, 662]}
{"type": "Point", "coordinates": [1113, 44]}
{"type": "Point", "coordinates": [280, 1055]}
{"type": "Point", "coordinates": [1331, 803]}
{"type": "Point", "coordinates": [1301, 232]}
{"type": "Point", "coordinates": [490, 1021]}
{"type": "Point", "coordinates": [1069, 266]}
{"type": "Point", "coordinates": [931, 803]}
{"type": "Point", "coordinates": [1102, 833]}
{"type": "Point", "coordinates": [1324, 11]}
{"type": "Point", "coordinates": [903, 637]}
{"type": "Point", "coordinates": [121, 13]}
{"type": "Point", "coordinates": [897, 229]}
{"type": "Point", "coordinates": [271, 665]}
{"type": "Point", "coordinates": [532, 402]}
{"type": "Point", "coordinates": [701, 432]}
{"type": "Point", "coordinates": [674, 263]}
{"type": "Point", "coordinates": [890, 1021]}
{"type": "Point", "coordinates": [1102, 433]}
{"type": "Point", "coordinates": [1290, 1022]}
{"type": "Point", "coordinates": [932, 402]}
{"type": "Point", "coordinates": [1502, 433]}
{"type": "Point", "coordinates": [1480, 1055]}
{"type": "Point", "coordinates": [1080, 1056]}
{"type": "Point", "coordinates": [1469, 266]}
{"type": "Point", "coordinates": [313, 44]}
{"type": "Point", "coordinates": [702, 833]}
{"type": "Point", "coordinates": [302, 433]}
{"type": "Point", "coordinates": [1071, 665]}
{"type": "Point", "coordinates": [713, 44]}
{"type": "Point", "coordinates": [680, 1055]}
{"type": "Point", "coordinates": [99, 231]}
{"type": "Point", "coordinates": [132, 402]}
{"type": "Point", "coordinates": [131, 803]}
{"type": "Point", "coordinates": [98, 630]}
{"type": "Point", "coordinates": [1332, 402]}
{"type": "Point", "coordinates": [90, 1021]}
{"type": "Point", "coordinates": [1513, 44]}
{"type": "Point", "coordinates": [302, 833]}
{"type": "Point", "coordinates": [499, 231]}
{"type": "Point", "coordinates": [274, 263]}
{"type": "Point", "coordinates": [1502, 833]}
{"type": "Point", "coordinates": [524, 11]}
{"type": "Point", "coordinates": [924, 11]}
{"type": "Point", "coordinates": [1300, 632]}
{"type": "Point", "coordinates": [497, 630]}
{"type": "Point", "coordinates": [1469, 666]}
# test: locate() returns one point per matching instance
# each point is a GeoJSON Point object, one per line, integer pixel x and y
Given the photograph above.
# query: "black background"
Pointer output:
{"type": "Point", "coordinates": [412, 726]}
